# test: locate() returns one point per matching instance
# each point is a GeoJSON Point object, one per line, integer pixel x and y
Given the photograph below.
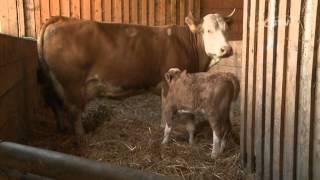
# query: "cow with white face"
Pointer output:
{"type": "Point", "coordinates": [81, 60]}
{"type": "Point", "coordinates": [213, 29]}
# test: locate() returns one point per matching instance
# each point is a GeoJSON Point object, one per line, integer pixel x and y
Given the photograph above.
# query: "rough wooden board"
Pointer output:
{"type": "Point", "coordinates": [306, 91]}
{"type": "Point", "coordinates": [260, 91]}
{"type": "Point", "coordinates": [244, 85]}
{"type": "Point", "coordinates": [86, 9]}
{"type": "Point", "coordinates": [289, 166]}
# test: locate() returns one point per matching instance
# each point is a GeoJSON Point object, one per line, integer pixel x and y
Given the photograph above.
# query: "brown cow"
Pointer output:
{"type": "Point", "coordinates": [207, 93]}
{"type": "Point", "coordinates": [80, 60]}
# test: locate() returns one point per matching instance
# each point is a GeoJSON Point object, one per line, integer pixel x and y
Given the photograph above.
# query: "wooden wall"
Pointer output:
{"type": "Point", "coordinates": [280, 98]}
{"type": "Point", "coordinates": [225, 7]}
{"type": "Point", "coordinates": [17, 90]}
{"type": "Point", "coordinates": [25, 17]}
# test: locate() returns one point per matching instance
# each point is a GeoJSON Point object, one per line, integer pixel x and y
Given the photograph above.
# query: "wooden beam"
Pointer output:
{"type": "Point", "coordinates": [144, 12]}
{"type": "Point", "coordinates": [182, 11]}
{"type": "Point", "coordinates": [29, 18]}
{"type": "Point", "coordinates": [117, 11]}
{"type": "Point", "coordinates": [86, 9]}
{"type": "Point", "coordinates": [97, 10]}
{"type": "Point", "coordinates": [75, 8]}
{"type": "Point", "coordinates": [306, 91]}
{"type": "Point", "coordinates": [151, 12]}
{"type": "Point", "coordinates": [37, 16]}
{"type": "Point", "coordinates": [54, 8]}
{"type": "Point", "coordinates": [21, 20]}
{"type": "Point", "coordinates": [107, 9]}
{"type": "Point", "coordinates": [65, 8]}
{"type": "Point", "coordinates": [134, 11]}
{"type": "Point", "coordinates": [260, 90]}
{"type": "Point", "coordinates": [251, 86]}
{"type": "Point", "coordinates": [126, 11]}
{"type": "Point", "coordinates": [173, 9]}
{"type": "Point", "coordinates": [290, 121]}
{"type": "Point", "coordinates": [244, 83]}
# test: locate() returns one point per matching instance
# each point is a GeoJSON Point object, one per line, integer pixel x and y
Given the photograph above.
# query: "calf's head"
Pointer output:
{"type": "Point", "coordinates": [213, 29]}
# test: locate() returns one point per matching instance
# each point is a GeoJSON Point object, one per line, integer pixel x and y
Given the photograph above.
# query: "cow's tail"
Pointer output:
{"type": "Point", "coordinates": [236, 84]}
{"type": "Point", "coordinates": [52, 90]}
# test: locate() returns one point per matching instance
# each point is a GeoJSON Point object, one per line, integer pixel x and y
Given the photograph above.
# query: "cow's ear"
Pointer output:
{"type": "Point", "coordinates": [190, 21]}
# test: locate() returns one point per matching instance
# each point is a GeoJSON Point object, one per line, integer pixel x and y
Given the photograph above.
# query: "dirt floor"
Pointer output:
{"type": "Point", "coordinates": [128, 134]}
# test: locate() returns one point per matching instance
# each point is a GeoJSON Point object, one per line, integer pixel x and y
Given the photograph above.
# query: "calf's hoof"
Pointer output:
{"type": "Point", "coordinates": [164, 141]}
{"type": "Point", "coordinates": [214, 155]}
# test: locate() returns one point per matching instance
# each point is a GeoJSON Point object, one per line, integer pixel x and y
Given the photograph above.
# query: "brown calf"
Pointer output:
{"type": "Point", "coordinates": [208, 93]}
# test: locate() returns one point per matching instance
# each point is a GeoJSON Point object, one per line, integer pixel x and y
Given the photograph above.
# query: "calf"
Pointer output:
{"type": "Point", "coordinates": [208, 93]}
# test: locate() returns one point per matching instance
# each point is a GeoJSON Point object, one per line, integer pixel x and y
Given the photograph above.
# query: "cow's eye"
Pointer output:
{"type": "Point", "coordinates": [209, 31]}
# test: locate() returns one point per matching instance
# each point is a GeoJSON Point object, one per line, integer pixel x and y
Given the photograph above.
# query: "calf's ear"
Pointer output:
{"type": "Point", "coordinates": [172, 74]}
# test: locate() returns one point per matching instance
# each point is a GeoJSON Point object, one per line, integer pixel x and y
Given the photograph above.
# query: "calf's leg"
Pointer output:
{"type": "Point", "coordinates": [167, 115]}
{"type": "Point", "coordinates": [190, 127]}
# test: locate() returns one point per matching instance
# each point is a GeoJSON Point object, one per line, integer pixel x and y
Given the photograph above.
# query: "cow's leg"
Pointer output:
{"type": "Point", "coordinates": [58, 111]}
{"type": "Point", "coordinates": [78, 126]}
{"type": "Point", "coordinates": [190, 126]}
{"type": "Point", "coordinates": [167, 115]}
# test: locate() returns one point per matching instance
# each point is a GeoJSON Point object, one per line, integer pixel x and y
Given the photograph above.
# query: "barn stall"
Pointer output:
{"type": "Point", "coordinates": [122, 133]}
{"type": "Point", "coordinates": [280, 83]}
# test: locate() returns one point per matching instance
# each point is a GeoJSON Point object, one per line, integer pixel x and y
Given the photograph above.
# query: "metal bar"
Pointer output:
{"type": "Point", "coordinates": [12, 173]}
{"type": "Point", "coordinates": [62, 166]}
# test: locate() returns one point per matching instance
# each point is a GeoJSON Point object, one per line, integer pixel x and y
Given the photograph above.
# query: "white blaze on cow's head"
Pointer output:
{"type": "Point", "coordinates": [213, 29]}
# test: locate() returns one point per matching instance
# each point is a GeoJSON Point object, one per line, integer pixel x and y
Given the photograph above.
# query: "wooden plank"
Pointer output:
{"type": "Point", "coordinates": [134, 11]}
{"type": "Point", "coordinates": [45, 10]}
{"type": "Point", "coordinates": [97, 10]}
{"type": "Point", "coordinates": [173, 10]}
{"type": "Point", "coordinates": [30, 25]}
{"type": "Point", "coordinates": [4, 17]}
{"type": "Point", "coordinates": [117, 11]}
{"type": "Point", "coordinates": [290, 130]}
{"type": "Point", "coordinates": [126, 11]}
{"type": "Point", "coordinates": [244, 84]}
{"type": "Point", "coordinates": [316, 129]}
{"type": "Point", "coordinates": [182, 13]}
{"type": "Point", "coordinates": [269, 88]}
{"type": "Point", "coordinates": [197, 9]}
{"type": "Point", "coordinates": [9, 76]}
{"type": "Point", "coordinates": [107, 6]}
{"type": "Point", "coordinates": [37, 17]}
{"type": "Point", "coordinates": [306, 91]}
{"type": "Point", "coordinates": [260, 91]}
{"type": "Point", "coordinates": [251, 86]}
{"type": "Point", "coordinates": [161, 12]}
{"type": "Point", "coordinates": [21, 20]}
{"type": "Point", "coordinates": [65, 8]}
{"type": "Point", "coordinates": [75, 9]}
{"type": "Point", "coordinates": [151, 15]}
{"type": "Point", "coordinates": [86, 9]}
{"type": "Point", "coordinates": [54, 8]}
{"type": "Point", "coordinates": [191, 6]}
{"type": "Point", "coordinates": [280, 86]}
{"type": "Point", "coordinates": [144, 12]}
{"type": "Point", "coordinates": [12, 17]}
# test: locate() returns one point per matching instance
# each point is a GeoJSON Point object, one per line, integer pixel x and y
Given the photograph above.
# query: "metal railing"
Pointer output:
{"type": "Point", "coordinates": [18, 160]}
